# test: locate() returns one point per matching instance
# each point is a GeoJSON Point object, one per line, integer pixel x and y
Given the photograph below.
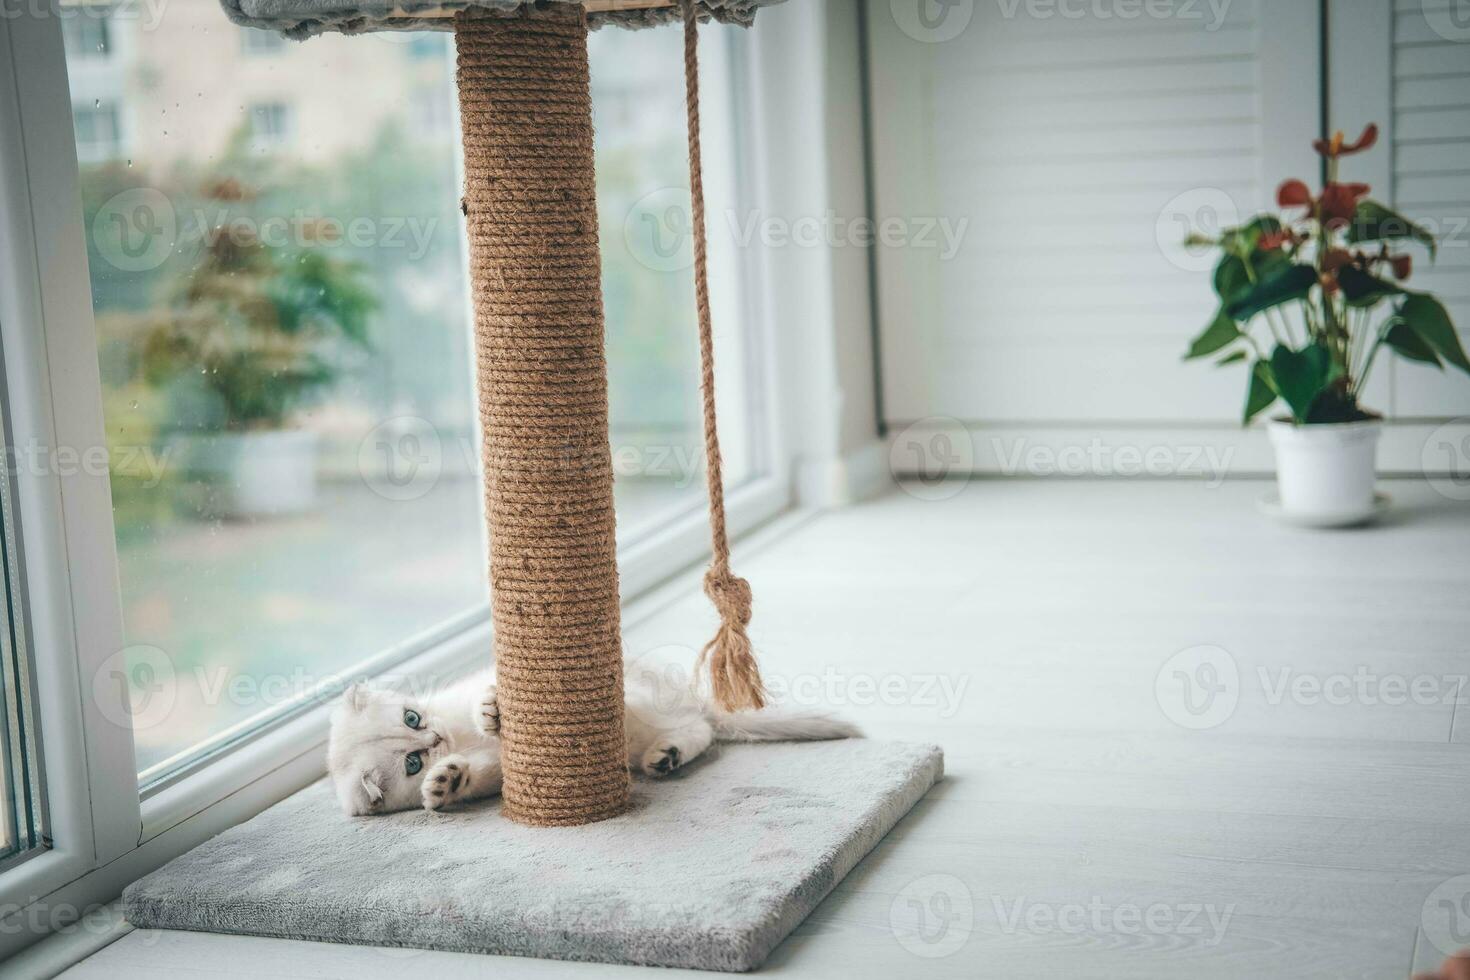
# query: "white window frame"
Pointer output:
{"type": "Point", "coordinates": [106, 835]}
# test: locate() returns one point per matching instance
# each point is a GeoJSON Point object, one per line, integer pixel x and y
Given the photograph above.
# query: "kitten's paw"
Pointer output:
{"type": "Point", "coordinates": [660, 760]}
{"type": "Point", "coordinates": [444, 783]}
{"type": "Point", "coordinates": [487, 713]}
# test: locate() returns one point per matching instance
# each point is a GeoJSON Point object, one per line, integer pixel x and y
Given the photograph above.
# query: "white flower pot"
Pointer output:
{"type": "Point", "coordinates": [1325, 473]}
{"type": "Point", "coordinates": [244, 475]}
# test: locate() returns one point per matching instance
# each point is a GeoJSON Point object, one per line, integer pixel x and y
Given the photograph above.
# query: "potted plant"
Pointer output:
{"type": "Point", "coordinates": [261, 328]}
{"type": "Point", "coordinates": [1308, 301]}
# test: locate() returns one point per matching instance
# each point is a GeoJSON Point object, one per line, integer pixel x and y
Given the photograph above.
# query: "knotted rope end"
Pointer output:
{"type": "Point", "coordinates": [735, 678]}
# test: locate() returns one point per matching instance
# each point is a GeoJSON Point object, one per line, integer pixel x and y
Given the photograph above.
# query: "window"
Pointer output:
{"type": "Point", "coordinates": [648, 289]}
{"type": "Point", "coordinates": [97, 132]}
{"type": "Point", "coordinates": [283, 320]}
{"type": "Point", "coordinates": [429, 45]}
{"type": "Point", "coordinates": [270, 126]}
{"type": "Point", "coordinates": [285, 354]}
{"type": "Point", "coordinates": [21, 798]}
{"type": "Point", "coordinates": [257, 42]}
{"type": "Point", "coordinates": [86, 31]}
{"type": "Point", "coordinates": [432, 115]}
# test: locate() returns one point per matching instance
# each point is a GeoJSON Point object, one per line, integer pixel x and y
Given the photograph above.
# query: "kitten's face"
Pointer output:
{"type": "Point", "coordinates": [381, 746]}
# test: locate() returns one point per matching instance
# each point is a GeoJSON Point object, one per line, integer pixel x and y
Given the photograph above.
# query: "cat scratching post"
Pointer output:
{"type": "Point", "coordinates": [531, 209]}
{"type": "Point", "coordinates": [736, 878]}
{"type": "Point", "coordinates": [531, 214]}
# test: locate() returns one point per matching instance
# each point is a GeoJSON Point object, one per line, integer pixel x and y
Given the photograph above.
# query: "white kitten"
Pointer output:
{"type": "Point", "coordinates": [392, 751]}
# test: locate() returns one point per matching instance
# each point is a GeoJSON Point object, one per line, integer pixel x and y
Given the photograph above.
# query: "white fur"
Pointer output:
{"type": "Point", "coordinates": [457, 741]}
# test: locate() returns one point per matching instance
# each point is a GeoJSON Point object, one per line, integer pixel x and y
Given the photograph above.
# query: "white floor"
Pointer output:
{"type": "Point", "coordinates": [1314, 828]}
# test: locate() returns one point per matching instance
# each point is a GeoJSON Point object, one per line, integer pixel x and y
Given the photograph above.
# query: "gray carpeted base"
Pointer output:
{"type": "Point", "coordinates": [710, 869]}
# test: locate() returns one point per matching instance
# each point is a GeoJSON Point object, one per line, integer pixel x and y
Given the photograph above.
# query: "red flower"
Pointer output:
{"type": "Point", "coordinates": [1336, 258]}
{"type": "Point", "coordinates": [1293, 194]}
{"type": "Point", "coordinates": [1339, 202]}
{"type": "Point", "coordinates": [1337, 147]}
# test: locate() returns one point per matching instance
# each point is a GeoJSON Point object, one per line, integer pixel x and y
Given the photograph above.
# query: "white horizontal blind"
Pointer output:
{"type": "Point", "coordinates": [1073, 145]}
{"type": "Point", "coordinates": [1430, 139]}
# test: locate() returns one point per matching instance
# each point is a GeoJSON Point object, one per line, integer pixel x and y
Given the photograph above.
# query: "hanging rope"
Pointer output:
{"type": "Point", "coordinates": [735, 679]}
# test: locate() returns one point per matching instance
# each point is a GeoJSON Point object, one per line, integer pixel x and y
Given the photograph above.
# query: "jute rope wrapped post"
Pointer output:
{"type": "Point", "coordinates": [530, 206]}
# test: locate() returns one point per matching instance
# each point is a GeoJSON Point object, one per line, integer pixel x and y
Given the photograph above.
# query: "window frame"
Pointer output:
{"type": "Point", "coordinates": [105, 831]}
{"type": "Point", "coordinates": [54, 391]}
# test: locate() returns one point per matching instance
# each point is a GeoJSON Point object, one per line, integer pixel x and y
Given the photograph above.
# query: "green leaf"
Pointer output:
{"type": "Point", "coordinates": [1231, 358]}
{"type": "Point", "coordinates": [1231, 279]}
{"type": "Point", "coordinates": [1221, 331]}
{"type": "Point", "coordinates": [1362, 289]}
{"type": "Point", "coordinates": [1242, 241]}
{"type": "Point", "coordinates": [1234, 278]}
{"type": "Point", "coordinates": [1282, 284]}
{"type": "Point", "coordinates": [1425, 315]}
{"type": "Point", "coordinates": [1372, 222]}
{"type": "Point", "coordinates": [1402, 338]}
{"type": "Point", "coordinates": [1262, 391]}
{"type": "Point", "coordinates": [1302, 376]}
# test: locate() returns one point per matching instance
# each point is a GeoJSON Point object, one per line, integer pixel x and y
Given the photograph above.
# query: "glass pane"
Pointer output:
{"type": "Point", "coordinates": [647, 278]}
{"type": "Point", "coordinates": [279, 279]}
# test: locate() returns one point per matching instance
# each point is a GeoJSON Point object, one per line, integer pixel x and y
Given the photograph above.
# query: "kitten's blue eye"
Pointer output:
{"type": "Point", "coordinates": [411, 718]}
{"type": "Point", "coordinates": [413, 762]}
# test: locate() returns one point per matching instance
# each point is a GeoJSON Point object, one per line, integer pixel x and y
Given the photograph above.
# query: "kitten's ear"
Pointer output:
{"type": "Point", "coordinates": [356, 696]}
{"type": "Point", "coordinates": [373, 789]}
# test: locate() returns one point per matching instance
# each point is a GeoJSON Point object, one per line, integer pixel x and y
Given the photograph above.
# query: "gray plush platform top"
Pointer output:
{"type": "Point", "coordinates": [304, 18]}
{"type": "Point", "coordinates": [709, 869]}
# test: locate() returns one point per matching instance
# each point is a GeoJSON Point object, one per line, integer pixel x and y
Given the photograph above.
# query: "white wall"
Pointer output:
{"type": "Point", "coordinates": [1069, 146]}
